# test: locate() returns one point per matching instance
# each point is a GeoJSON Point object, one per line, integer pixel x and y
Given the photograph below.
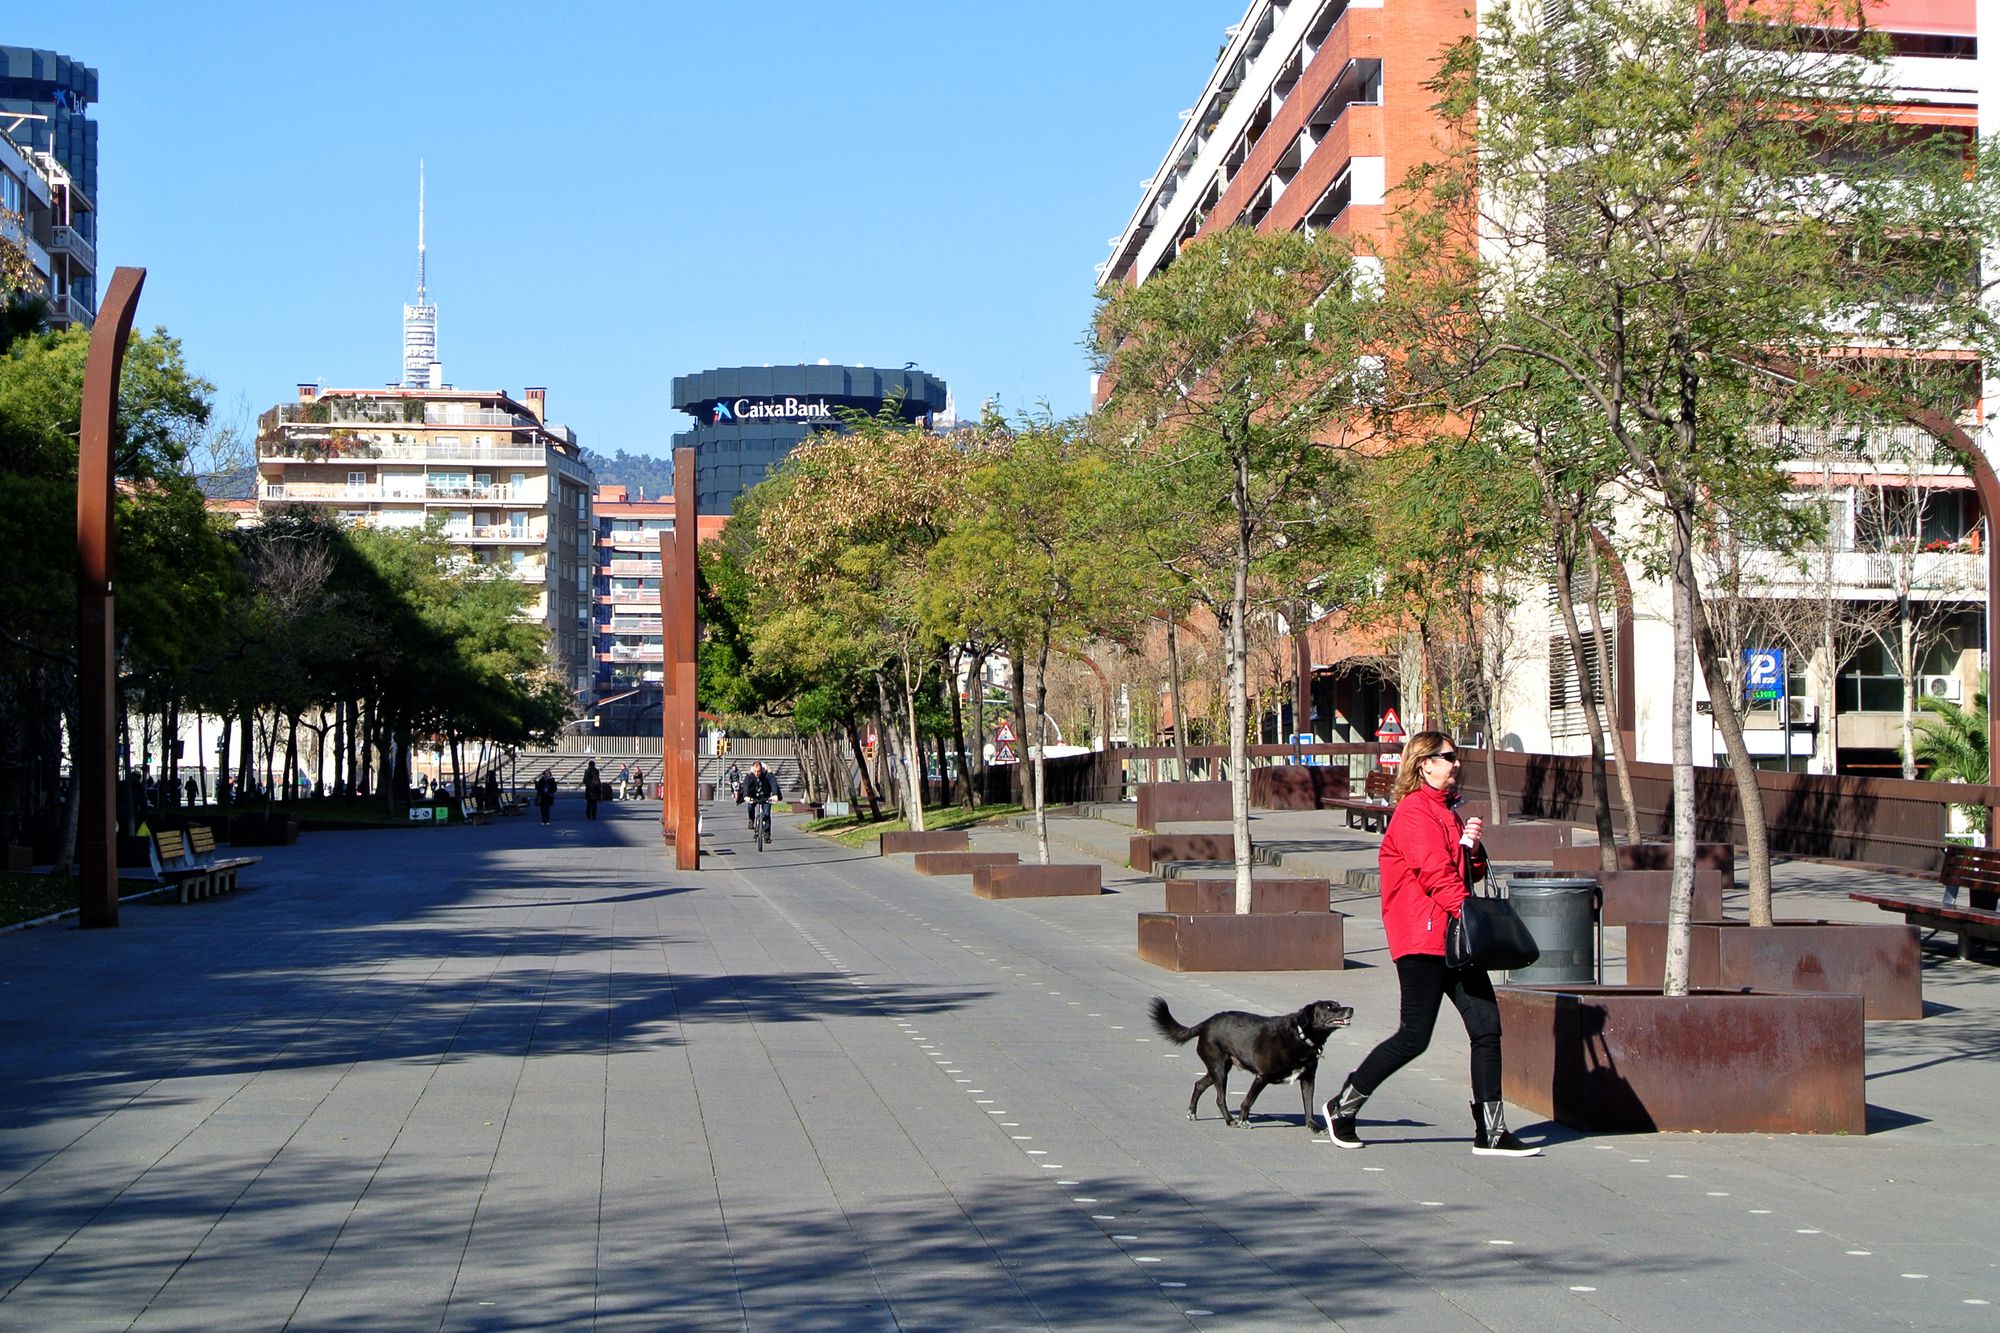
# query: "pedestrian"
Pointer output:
{"type": "Point", "coordinates": [638, 782]}
{"type": "Point", "coordinates": [732, 777]}
{"type": "Point", "coordinates": [590, 790]}
{"type": "Point", "coordinates": [492, 792]}
{"type": "Point", "coordinates": [545, 792]}
{"type": "Point", "coordinates": [1429, 858]}
{"type": "Point", "coordinates": [623, 789]}
{"type": "Point", "coordinates": [193, 794]}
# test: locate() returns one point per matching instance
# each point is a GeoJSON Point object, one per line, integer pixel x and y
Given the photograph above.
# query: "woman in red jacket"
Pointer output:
{"type": "Point", "coordinates": [1428, 858]}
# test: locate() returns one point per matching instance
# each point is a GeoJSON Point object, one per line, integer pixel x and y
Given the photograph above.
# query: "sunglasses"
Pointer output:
{"type": "Point", "coordinates": [1449, 756]}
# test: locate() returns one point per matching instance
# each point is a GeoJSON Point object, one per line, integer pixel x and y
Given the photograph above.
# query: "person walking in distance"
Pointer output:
{"type": "Point", "coordinates": [545, 792]}
{"type": "Point", "coordinates": [592, 789]}
{"type": "Point", "coordinates": [1429, 858]}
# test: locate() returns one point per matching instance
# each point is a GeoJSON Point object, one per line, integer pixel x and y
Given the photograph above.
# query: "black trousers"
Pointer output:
{"type": "Point", "coordinates": [1426, 981]}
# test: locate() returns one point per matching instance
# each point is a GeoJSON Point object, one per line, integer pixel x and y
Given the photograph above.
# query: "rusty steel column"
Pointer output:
{"type": "Point", "coordinates": [669, 714]}
{"type": "Point", "coordinates": [678, 625]}
{"type": "Point", "coordinates": [93, 753]}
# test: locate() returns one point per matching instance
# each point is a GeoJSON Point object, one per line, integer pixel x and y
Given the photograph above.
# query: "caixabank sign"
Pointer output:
{"type": "Point", "coordinates": [766, 409]}
{"type": "Point", "coordinates": [748, 418]}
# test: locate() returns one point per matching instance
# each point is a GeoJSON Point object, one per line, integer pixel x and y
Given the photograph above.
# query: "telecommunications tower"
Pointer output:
{"type": "Point", "coordinates": [420, 364]}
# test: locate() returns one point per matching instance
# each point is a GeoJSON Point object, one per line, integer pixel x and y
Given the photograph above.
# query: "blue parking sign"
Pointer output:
{"type": "Point", "coordinates": [1763, 675]}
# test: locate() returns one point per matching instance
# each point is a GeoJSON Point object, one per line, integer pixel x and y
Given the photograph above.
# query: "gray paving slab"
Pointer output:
{"type": "Point", "coordinates": [509, 1076]}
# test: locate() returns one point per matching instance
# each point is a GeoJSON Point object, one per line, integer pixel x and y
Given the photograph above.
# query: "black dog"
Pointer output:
{"type": "Point", "coordinates": [1275, 1050]}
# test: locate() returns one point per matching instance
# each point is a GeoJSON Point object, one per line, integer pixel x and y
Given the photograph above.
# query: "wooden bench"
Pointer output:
{"type": "Point", "coordinates": [222, 870]}
{"type": "Point", "coordinates": [174, 865]}
{"type": "Point", "coordinates": [1976, 871]}
{"type": "Point", "coordinates": [1370, 810]}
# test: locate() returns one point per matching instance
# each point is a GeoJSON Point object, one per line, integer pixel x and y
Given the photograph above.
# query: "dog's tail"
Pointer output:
{"type": "Point", "coordinates": [1164, 1024]}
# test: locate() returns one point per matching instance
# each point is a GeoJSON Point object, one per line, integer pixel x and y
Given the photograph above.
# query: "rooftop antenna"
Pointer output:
{"type": "Point", "coordinates": [420, 233]}
{"type": "Point", "coordinates": [420, 364]}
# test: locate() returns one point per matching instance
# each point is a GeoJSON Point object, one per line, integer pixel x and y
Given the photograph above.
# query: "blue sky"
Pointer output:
{"type": "Point", "coordinates": [620, 193]}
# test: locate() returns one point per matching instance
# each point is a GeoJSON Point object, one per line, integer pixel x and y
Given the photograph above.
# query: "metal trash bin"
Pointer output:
{"type": "Point", "coordinates": [1559, 912]}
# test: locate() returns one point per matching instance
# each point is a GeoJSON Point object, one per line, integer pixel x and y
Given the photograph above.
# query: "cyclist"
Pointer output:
{"type": "Point", "coordinates": [758, 788]}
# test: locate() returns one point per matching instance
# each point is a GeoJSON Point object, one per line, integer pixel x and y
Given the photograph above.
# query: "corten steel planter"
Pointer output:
{"type": "Point", "coordinates": [1149, 851]}
{"type": "Point", "coordinates": [1295, 786]}
{"type": "Point", "coordinates": [1038, 881]}
{"type": "Point", "coordinates": [1648, 856]}
{"type": "Point", "coordinates": [1641, 895]}
{"type": "Point", "coordinates": [1523, 842]}
{"type": "Point", "coordinates": [1176, 802]}
{"type": "Point", "coordinates": [1225, 942]}
{"type": "Point", "coordinates": [263, 831]}
{"type": "Point", "coordinates": [1187, 896]}
{"type": "Point", "coordinates": [942, 840]}
{"type": "Point", "coordinates": [961, 863]}
{"type": "Point", "coordinates": [1623, 1059]}
{"type": "Point", "coordinates": [1877, 960]}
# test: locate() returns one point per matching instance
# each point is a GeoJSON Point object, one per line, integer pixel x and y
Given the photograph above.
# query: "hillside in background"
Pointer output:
{"type": "Point", "coordinates": [648, 473]}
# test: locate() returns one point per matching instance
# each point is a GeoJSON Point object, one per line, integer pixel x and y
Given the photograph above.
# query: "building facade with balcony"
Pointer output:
{"type": "Point", "coordinates": [1313, 110]}
{"type": "Point", "coordinates": [45, 100]}
{"type": "Point", "coordinates": [628, 614]}
{"type": "Point", "coordinates": [503, 484]}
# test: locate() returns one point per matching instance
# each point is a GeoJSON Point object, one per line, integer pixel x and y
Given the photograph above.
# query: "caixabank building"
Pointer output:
{"type": "Point", "coordinates": [748, 418]}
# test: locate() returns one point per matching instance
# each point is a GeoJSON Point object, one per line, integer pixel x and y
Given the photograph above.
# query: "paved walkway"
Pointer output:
{"type": "Point", "coordinates": [516, 1076]}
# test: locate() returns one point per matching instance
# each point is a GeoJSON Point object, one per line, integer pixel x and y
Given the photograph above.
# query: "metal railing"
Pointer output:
{"type": "Point", "coordinates": [70, 241]}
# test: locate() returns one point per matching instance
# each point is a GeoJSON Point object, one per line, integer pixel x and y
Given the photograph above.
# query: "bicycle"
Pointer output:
{"type": "Point", "coordinates": [760, 823]}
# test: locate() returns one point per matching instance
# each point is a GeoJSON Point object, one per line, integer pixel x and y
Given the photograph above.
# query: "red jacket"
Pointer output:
{"type": "Point", "coordinates": [1423, 872]}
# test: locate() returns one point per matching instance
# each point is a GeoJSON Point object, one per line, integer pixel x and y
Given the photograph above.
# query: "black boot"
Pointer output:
{"type": "Point", "coordinates": [1492, 1138]}
{"type": "Point", "coordinates": [1339, 1114]}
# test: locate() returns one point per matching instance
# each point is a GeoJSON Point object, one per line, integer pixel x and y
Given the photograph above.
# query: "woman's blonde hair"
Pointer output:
{"type": "Point", "coordinates": [1415, 750]}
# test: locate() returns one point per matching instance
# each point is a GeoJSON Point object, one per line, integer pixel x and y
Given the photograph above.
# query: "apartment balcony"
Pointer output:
{"type": "Point", "coordinates": [636, 625]}
{"type": "Point", "coordinates": [289, 492]}
{"type": "Point", "coordinates": [66, 309]}
{"type": "Point", "coordinates": [530, 573]}
{"type": "Point", "coordinates": [69, 241]}
{"type": "Point", "coordinates": [494, 532]}
{"type": "Point", "coordinates": [635, 569]}
{"type": "Point", "coordinates": [1943, 575]}
{"type": "Point", "coordinates": [636, 652]}
{"type": "Point", "coordinates": [498, 492]}
{"type": "Point", "coordinates": [436, 414]}
{"type": "Point", "coordinates": [635, 596]}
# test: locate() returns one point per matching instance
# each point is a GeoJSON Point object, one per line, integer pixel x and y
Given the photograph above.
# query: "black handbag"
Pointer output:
{"type": "Point", "coordinates": [1487, 934]}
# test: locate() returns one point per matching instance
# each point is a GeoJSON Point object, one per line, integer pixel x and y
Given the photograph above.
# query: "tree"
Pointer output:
{"type": "Point", "coordinates": [1236, 378]}
{"type": "Point", "coordinates": [1029, 559]}
{"type": "Point", "coordinates": [846, 534]}
{"type": "Point", "coordinates": [1681, 212]}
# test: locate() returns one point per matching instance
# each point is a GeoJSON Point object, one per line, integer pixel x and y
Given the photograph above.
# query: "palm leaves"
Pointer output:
{"type": "Point", "coordinates": [1951, 743]}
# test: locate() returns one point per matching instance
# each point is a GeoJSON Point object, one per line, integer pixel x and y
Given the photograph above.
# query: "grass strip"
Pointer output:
{"type": "Point", "coordinates": [858, 830]}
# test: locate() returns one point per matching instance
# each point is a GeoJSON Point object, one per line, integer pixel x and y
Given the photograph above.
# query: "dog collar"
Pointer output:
{"type": "Point", "coordinates": [1300, 1028]}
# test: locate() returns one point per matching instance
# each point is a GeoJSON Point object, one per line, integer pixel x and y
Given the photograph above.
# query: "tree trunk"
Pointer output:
{"type": "Point", "coordinates": [222, 793]}
{"type": "Point", "coordinates": [966, 797]}
{"type": "Point", "coordinates": [861, 767]}
{"type": "Point", "coordinates": [1586, 679]}
{"type": "Point", "coordinates": [1723, 692]}
{"type": "Point", "coordinates": [914, 752]}
{"type": "Point", "coordinates": [1017, 675]}
{"type": "Point", "coordinates": [1906, 663]}
{"type": "Point", "coordinates": [1041, 736]}
{"type": "Point", "coordinates": [1621, 757]}
{"type": "Point", "coordinates": [977, 680]}
{"type": "Point", "coordinates": [1239, 702]}
{"type": "Point", "coordinates": [246, 751]}
{"type": "Point", "coordinates": [1680, 894]}
{"type": "Point", "coordinates": [72, 817]}
{"type": "Point", "coordinates": [1174, 701]}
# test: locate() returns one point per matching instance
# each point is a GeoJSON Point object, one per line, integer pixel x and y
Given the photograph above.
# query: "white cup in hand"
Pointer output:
{"type": "Point", "coordinates": [1473, 827]}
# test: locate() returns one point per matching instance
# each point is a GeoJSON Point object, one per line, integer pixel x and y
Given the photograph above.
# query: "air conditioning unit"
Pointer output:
{"type": "Point", "coordinates": [1943, 687]}
{"type": "Point", "coordinates": [1803, 712]}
